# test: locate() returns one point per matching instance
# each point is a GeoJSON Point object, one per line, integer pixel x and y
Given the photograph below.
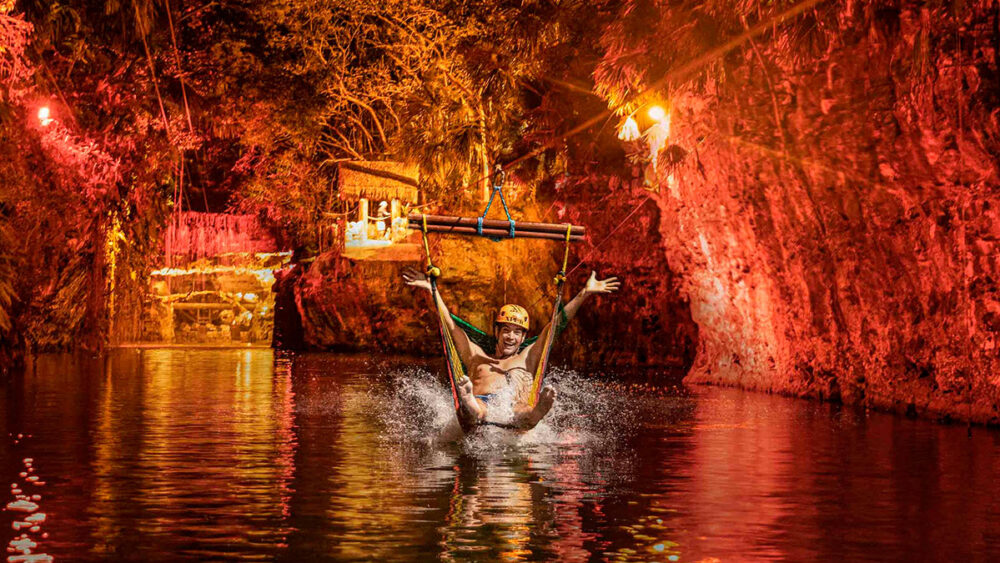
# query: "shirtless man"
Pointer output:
{"type": "Point", "coordinates": [508, 364]}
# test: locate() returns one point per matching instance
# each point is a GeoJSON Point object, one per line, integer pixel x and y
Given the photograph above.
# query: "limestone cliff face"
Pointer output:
{"type": "Point", "coordinates": [835, 212]}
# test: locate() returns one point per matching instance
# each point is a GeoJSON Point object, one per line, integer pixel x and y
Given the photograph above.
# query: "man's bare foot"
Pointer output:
{"type": "Point", "coordinates": [545, 400]}
{"type": "Point", "coordinates": [531, 418]}
{"type": "Point", "coordinates": [469, 412]}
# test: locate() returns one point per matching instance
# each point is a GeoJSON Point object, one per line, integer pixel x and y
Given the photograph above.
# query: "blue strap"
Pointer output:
{"type": "Point", "coordinates": [505, 210]}
{"type": "Point", "coordinates": [479, 220]}
{"type": "Point", "coordinates": [497, 189]}
{"type": "Point", "coordinates": [503, 201]}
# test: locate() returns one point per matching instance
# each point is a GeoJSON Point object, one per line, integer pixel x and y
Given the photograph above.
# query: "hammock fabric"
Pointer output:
{"type": "Point", "coordinates": [452, 359]}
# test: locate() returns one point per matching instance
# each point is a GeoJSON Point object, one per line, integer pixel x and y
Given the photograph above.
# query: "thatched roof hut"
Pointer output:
{"type": "Point", "coordinates": [379, 180]}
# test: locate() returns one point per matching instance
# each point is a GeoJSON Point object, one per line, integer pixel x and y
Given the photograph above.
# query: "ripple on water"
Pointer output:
{"type": "Point", "coordinates": [332, 459]}
{"type": "Point", "coordinates": [23, 546]}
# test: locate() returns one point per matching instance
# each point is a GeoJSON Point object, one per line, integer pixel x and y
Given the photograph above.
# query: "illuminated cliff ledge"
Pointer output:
{"type": "Point", "coordinates": [216, 285]}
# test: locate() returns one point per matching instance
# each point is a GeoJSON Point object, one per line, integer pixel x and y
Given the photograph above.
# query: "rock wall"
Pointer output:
{"type": "Point", "coordinates": [835, 215]}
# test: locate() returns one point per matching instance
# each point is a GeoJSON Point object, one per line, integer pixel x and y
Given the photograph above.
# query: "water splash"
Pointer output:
{"type": "Point", "coordinates": [415, 406]}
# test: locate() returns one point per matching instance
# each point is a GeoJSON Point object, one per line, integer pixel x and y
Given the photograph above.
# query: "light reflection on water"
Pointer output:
{"type": "Point", "coordinates": [241, 455]}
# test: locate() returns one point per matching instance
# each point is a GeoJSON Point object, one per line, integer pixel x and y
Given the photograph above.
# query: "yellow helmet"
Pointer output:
{"type": "Point", "coordinates": [513, 314]}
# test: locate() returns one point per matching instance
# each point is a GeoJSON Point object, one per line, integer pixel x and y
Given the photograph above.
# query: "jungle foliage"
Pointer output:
{"type": "Point", "coordinates": [166, 105]}
{"type": "Point", "coordinates": [160, 105]}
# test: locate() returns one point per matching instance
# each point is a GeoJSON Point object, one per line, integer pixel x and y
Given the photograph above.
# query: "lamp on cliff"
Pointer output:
{"type": "Point", "coordinates": [44, 115]}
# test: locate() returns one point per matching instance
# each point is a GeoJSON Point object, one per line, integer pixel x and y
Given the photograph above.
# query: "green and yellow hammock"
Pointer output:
{"type": "Point", "coordinates": [453, 362]}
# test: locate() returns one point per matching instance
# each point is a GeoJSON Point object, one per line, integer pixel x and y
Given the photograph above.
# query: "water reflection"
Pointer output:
{"type": "Point", "coordinates": [243, 455]}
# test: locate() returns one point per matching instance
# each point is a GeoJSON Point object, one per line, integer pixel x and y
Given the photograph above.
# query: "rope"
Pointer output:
{"type": "Point", "coordinates": [682, 73]}
{"type": "Point", "coordinates": [613, 231]}
{"type": "Point", "coordinates": [964, 199]}
{"type": "Point", "coordinates": [543, 363]}
{"type": "Point", "coordinates": [331, 214]}
{"type": "Point", "coordinates": [432, 271]}
{"type": "Point", "coordinates": [561, 276]}
{"type": "Point", "coordinates": [423, 205]}
{"type": "Point", "coordinates": [595, 247]}
{"type": "Point", "coordinates": [497, 189]}
{"type": "Point", "coordinates": [539, 380]}
{"type": "Point", "coordinates": [452, 361]}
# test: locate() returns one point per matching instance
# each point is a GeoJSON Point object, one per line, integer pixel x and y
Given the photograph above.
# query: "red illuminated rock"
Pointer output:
{"type": "Point", "coordinates": [835, 210]}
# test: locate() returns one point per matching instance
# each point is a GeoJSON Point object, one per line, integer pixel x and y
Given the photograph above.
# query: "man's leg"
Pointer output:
{"type": "Point", "coordinates": [527, 417]}
{"type": "Point", "coordinates": [471, 411]}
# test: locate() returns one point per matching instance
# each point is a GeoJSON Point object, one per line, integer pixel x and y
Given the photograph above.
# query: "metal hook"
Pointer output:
{"type": "Point", "coordinates": [499, 176]}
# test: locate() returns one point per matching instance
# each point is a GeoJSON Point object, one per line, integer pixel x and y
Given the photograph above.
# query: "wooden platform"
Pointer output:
{"type": "Point", "coordinates": [397, 252]}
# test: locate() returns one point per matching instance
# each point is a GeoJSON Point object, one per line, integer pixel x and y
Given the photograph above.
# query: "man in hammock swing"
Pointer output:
{"type": "Point", "coordinates": [510, 365]}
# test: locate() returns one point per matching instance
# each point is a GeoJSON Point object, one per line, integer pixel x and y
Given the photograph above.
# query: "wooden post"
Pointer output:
{"type": "Point", "coordinates": [363, 217]}
{"type": "Point", "coordinates": [167, 325]}
{"type": "Point", "coordinates": [487, 184]}
{"type": "Point", "coordinates": [395, 211]}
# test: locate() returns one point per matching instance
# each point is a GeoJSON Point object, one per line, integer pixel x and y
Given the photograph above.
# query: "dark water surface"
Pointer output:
{"type": "Point", "coordinates": [232, 454]}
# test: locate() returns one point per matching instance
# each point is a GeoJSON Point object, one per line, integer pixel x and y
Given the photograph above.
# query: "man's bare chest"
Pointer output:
{"type": "Point", "coordinates": [489, 374]}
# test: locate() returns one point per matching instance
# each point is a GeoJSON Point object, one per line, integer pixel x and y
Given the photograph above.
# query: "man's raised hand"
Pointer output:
{"type": "Point", "coordinates": [595, 285]}
{"type": "Point", "coordinates": [412, 277]}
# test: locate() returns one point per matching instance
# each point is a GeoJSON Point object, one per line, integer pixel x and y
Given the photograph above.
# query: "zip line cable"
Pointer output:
{"type": "Point", "coordinates": [594, 248]}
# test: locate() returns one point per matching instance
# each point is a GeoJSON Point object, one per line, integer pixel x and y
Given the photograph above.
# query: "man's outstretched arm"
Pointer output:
{"type": "Point", "coordinates": [465, 347]}
{"type": "Point", "coordinates": [592, 286]}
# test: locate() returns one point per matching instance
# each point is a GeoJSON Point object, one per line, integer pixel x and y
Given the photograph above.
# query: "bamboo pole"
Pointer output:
{"type": "Point", "coordinates": [491, 232]}
{"type": "Point", "coordinates": [520, 226]}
